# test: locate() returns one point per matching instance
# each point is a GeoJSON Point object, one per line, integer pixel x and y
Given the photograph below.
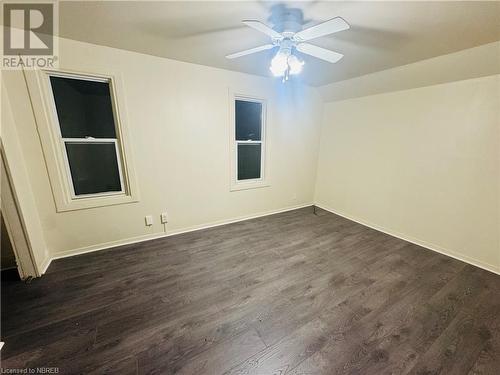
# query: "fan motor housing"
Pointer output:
{"type": "Point", "coordinates": [286, 19]}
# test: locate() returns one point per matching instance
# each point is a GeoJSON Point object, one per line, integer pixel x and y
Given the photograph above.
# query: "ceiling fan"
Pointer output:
{"type": "Point", "coordinates": [288, 34]}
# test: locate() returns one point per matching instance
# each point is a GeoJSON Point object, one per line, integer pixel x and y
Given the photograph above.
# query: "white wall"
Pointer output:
{"type": "Point", "coordinates": [422, 164]}
{"type": "Point", "coordinates": [178, 117]}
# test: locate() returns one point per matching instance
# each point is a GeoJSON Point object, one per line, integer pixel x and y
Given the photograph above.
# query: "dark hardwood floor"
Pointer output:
{"type": "Point", "coordinates": [292, 293]}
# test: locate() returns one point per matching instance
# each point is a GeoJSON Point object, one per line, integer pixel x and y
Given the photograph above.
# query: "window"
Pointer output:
{"type": "Point", "coordinates": [88, 135]}
{"type": "Point", "coordinates": [248, 142]}
{"type": "Point", "coordinates": [83, 132]}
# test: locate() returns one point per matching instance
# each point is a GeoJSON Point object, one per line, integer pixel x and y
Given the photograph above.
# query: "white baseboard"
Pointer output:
{"type": "Point", "coordinates": [148, 237]}
{"type": "Point", "coordinates": [427, 245]}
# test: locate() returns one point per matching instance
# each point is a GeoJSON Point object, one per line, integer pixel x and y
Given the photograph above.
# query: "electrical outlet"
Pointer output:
{"type": "Point", "coordinates": [164, 218]}
{"type": "Point", "coordinates": [149, 220]}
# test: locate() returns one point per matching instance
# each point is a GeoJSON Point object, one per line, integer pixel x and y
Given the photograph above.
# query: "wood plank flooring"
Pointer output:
{"type": "Point", "coordinates": [292, 293]}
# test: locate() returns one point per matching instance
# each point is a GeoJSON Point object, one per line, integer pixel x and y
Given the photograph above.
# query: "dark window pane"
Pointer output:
{"type": "Point", "coordinates": [248, 120]}
{"type": "Point", "coordinates": [83, 108]}
{"type": "Point", "coordinates": [94, 168]}
{"type": "Point", "coordinates": [249, 161]}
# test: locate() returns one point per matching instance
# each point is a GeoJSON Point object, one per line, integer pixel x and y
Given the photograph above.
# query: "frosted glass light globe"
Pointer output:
{"type": "Point", "coordinates": [295, 64]}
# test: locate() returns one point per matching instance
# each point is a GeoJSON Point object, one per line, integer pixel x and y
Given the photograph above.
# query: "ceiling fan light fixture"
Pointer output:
{"type": "Point", "coordinates": [279, 64]}
{"type": "Point", "coordinates": [285, 63]}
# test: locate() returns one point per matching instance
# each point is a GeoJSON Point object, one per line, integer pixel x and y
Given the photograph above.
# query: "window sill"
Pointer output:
{"type": "Point", "coordinates": [248, 185]}
{"type": "Point", "coordinates": [95, 202]}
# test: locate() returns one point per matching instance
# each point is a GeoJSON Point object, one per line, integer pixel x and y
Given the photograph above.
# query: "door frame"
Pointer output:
{"type": "Point", "coordinates": [15, 224]}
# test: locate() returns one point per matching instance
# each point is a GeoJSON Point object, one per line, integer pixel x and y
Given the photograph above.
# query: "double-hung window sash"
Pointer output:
{"type": "Point", "coordinates": [248, 138]}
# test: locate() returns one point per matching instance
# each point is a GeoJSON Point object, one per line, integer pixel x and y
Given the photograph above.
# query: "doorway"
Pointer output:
{"type": "Point", "coordinates": [14, 237]}
{"type": "Point", "coordinates": [8, 263]}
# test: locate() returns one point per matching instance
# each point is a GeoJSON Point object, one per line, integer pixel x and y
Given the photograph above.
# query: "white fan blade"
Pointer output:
{"type": "Point", "coordinates": [257, 25]}
{"type": "Point", "coordinates": [319, 52]}
{"type": "Point", "coordinates": [249, 51]}
{"type": "Point", "coordinates": [328, 27]}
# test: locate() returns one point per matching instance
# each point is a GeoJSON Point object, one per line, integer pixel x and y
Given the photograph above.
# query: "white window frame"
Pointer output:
{"type": "Point", "coordinates": [255, 182]}
{"type": "Point", "coordinates": [115, 141]}
{"type": "Point", "coordinates": [54, 149]}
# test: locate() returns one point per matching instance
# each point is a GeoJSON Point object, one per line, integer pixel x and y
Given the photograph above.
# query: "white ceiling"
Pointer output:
{"type": "Point", "coordinates": [383, 35]}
